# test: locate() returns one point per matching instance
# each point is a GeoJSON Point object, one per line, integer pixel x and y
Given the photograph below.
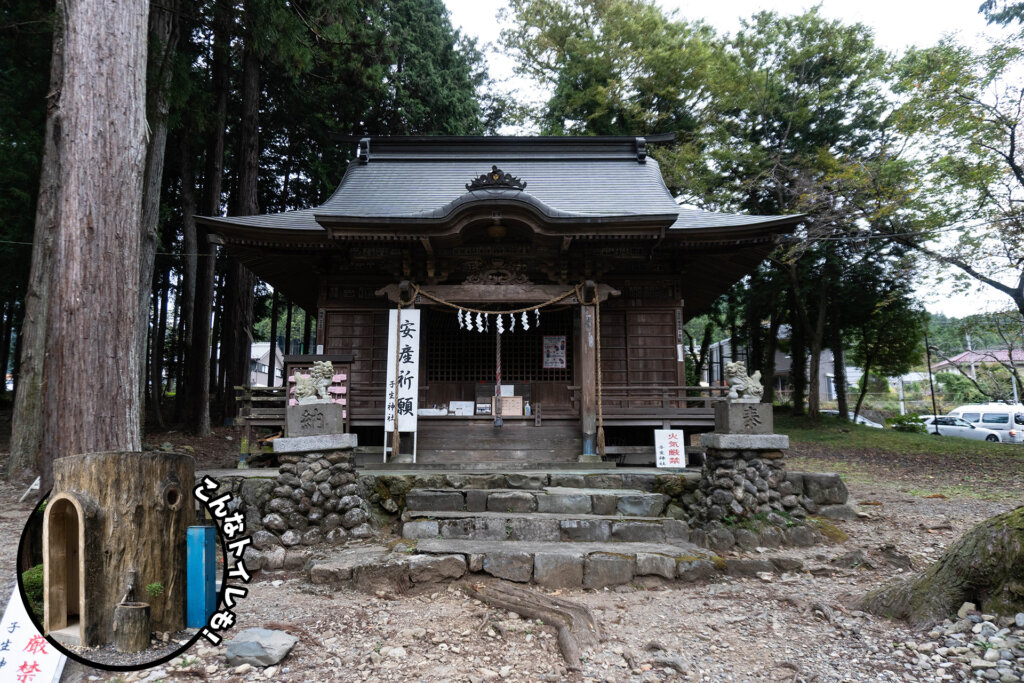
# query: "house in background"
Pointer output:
{"type": "Point", "coordinates": [967, 360]}
{"type": "Point", "coordinates": [259, 365]}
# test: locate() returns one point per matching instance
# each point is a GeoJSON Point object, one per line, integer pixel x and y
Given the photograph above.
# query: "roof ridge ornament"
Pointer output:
{"type": "Point", "coordinates": [496, 179]}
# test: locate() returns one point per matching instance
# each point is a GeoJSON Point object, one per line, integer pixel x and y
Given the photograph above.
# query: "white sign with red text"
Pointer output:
{"type": "Point", "coordinates": [669, 448]}
{"type": "Point", "coordinates": [25, 656]}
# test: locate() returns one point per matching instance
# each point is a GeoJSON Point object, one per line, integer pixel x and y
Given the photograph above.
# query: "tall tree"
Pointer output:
{"type": "Point", "coordinates": [613, 66]}
{"type": "Point", "coordinates": [163, 44]}
{"type": "Point", "coordinates": [88, 219]}
{"type": "Point", "coordinates": [964, 111]}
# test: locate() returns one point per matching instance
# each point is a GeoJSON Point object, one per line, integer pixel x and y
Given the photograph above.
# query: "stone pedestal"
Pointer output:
{"type": "Point", "coordinates": [741, 482]}
{"type": "Point", "coordinates": [744, 466]}
{"type": "Point", "coordinates": [315, 419]}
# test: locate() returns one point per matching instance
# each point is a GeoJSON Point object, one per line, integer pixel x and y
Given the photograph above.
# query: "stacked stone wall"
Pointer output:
{"type": "Point", "coordinates": [317, 499]}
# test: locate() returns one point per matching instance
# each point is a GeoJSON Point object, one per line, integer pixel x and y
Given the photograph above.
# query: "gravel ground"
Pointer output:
{"type": "Point", "coordinates": [160, 648]}
{"type": "Point", "coordinates": [793, 627]}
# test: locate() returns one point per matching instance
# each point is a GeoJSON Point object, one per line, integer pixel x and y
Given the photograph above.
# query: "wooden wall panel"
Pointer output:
{"type": "Point", "coordinates": [638, 347]}
{"type": "Point", "coordinates": [363, 334]}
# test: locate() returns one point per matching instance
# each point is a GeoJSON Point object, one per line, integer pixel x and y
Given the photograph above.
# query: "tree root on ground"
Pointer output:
{"type": "Point", "coordinates": [984, 566]}
{"type": "Point", "coordinates": [575, 624]}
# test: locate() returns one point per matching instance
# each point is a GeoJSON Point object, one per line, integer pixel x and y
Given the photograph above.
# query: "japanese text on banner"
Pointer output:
{"type": "Point", "coordinates": [403, 363]}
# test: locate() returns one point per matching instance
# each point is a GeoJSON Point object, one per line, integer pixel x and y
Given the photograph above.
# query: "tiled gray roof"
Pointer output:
{"type": "Point", "coordinates": [565, 177]}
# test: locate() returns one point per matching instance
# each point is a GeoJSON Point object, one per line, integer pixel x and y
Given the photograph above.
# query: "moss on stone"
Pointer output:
{"type": "Point", "coordinates": [829, 530]}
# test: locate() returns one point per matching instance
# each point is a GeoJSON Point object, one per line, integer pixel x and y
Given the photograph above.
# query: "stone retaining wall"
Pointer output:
{"type": "Point", "coordinates": [315, 499]}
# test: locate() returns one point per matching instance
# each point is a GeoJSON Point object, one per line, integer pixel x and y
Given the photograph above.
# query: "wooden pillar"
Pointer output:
{"type": "Point", "coordinates": [588, 382]}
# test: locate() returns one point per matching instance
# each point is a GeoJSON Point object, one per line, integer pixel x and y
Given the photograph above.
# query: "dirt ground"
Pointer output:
{"type": "Point", "coordinates": [794, 627]}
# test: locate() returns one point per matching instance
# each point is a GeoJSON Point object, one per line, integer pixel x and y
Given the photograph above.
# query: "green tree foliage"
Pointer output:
{"type": "Point", "coordinates": [998, 344]}
{"type": "Point", "coordinates": [1002, 12]}
{"type": "Point", "coordinates": [962, 110]}
{"type": "Point", "coordinates": [887, 342]}
{"type": "Point", "coordinates": [790, 115]}
{"type": "Point", "coordinates": [802, 125]}
{"type": "Point", "coordinates": [958, 389]}
{"type": "Point", "coordinates": [615, 67]}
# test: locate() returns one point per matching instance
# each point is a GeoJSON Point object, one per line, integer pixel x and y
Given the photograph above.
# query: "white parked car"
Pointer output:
{"type": "Point", "coordinates": [1004, 418]}
{"type": "Point", "coordinates": [950, 425]}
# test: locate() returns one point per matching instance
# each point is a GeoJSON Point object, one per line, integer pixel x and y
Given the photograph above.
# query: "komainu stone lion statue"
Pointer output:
{"type": "Point", "coordinates": [742, 387]}
{"type": "Point", "coordinates": [313, 388]}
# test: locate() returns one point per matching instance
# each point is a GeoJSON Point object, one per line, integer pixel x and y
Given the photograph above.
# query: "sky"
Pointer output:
{"type": "Point", "coordinates": [897, 24]}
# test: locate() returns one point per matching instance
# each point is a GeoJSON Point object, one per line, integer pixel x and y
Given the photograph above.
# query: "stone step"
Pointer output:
{"type": "Point", "coordinates": [542, 526]}
{"type": "Point", "coordinates": [553, 565]}
{"type": "Point", "coordinates": [639, 479]}
{"type": "Point", "coordinates": [559, 499]}
{"type": "Point", "coordinates": [587, 565]}
{"type": "Point", "coordinates": [370, 462]}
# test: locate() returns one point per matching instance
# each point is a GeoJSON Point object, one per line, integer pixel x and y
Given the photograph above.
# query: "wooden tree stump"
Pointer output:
{"type": "Point", "coordinates": [132, 626]}
{"type": "Point", "coordinates": [109, 514]}
{"type": "Point", "coordinates": [985, 566]}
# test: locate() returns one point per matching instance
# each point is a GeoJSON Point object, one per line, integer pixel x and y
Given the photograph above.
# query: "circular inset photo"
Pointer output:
{"type": "Point", "coordinates": [113, 568]}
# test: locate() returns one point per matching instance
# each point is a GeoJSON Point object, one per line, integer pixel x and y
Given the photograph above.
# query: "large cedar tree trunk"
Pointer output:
{"type": "Point", "coordinates": [90, 207]}
{"type": "Point", "coordinates": [985, 566]}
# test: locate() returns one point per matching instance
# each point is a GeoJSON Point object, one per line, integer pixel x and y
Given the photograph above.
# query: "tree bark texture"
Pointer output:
{"type": "Point", "coordinates": [798, 366]}
{"type": "Point", "coordinates": [768, 377]}
{"type": "Point", "coordinates": [272, 364]}
{"type": "Point", "coordinates": [156, 362]}
{"type": "Point", "coordinates": [985, 566]}
{"type": "Point", "coordinates": [199, 357]}
{"type": "Point", "coordinates": [138, 507]}
{"type": "Point", "coordinates": [90, 206]}
{"type": "Point", "coordinates": [839, 373]}
{"type": "Point", "coordinates": [26, 459]}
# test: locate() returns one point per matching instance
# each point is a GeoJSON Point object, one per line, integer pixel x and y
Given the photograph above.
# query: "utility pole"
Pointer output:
{"type": "Point", "coordinates": [931, 385]}
{"type": "Point", "coordinates": [970, 354]}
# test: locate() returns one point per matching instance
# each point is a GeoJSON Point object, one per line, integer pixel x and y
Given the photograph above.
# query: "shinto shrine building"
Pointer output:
{"type": "Point", "coordinates": [578, 235]}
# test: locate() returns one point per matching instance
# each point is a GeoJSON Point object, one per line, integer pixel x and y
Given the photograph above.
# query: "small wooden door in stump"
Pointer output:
{"type": "Point", "coordinates": [109, 513]}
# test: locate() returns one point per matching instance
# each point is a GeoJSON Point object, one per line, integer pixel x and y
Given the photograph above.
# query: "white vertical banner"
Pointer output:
{"type": "Point", "coordinates": [403, 388]}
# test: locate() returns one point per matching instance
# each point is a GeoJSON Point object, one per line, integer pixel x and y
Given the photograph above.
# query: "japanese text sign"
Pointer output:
{"type": "Point", "coordinates": [403, 384]}
{"type": "Point", "coordinates": [669, 448]}
{"type": "Point", "coordinates": [25, 656]}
